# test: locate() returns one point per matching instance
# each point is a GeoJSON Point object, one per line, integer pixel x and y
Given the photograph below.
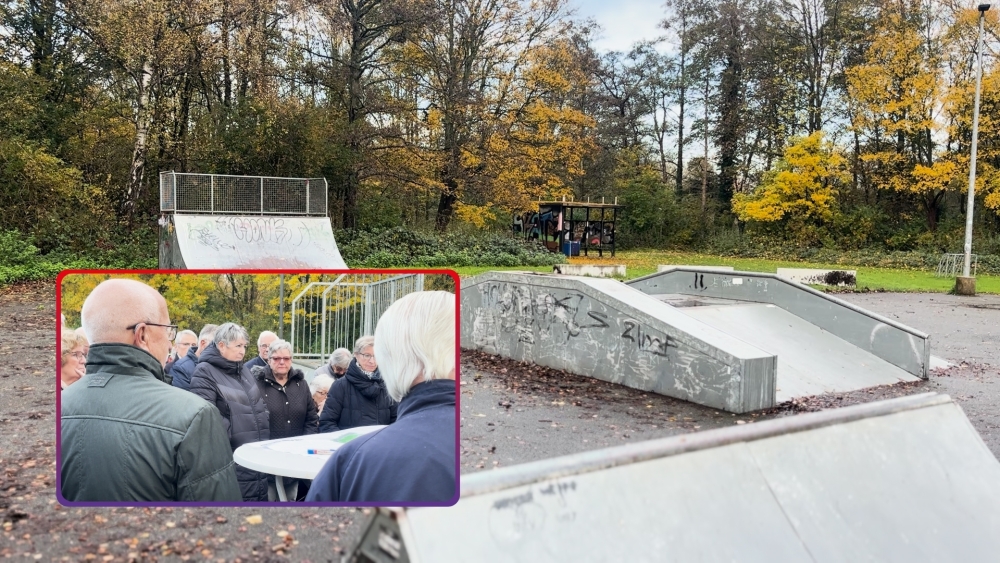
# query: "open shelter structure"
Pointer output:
{"type": "Point", "coordinates": [571, 227]}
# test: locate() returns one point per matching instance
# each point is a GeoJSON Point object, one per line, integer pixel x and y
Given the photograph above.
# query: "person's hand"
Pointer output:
{"type": "Point", "coordinates": [81, 370]}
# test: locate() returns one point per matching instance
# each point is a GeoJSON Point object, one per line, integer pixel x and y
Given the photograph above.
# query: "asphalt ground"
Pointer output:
{"type": "Point", "coordinates": [510, 413]}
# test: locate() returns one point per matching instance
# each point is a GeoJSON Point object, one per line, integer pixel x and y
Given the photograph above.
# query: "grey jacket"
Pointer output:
{"type": "Point", "coordinates": [129, 436]}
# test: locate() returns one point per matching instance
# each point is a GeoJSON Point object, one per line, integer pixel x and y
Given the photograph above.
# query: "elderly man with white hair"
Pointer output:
{"type": "Point", "coordinates": [264, 341]}
{"type": "Point", "coordinates": [337, 366]}
{"type": "Point", "coordinates": [183, 369]}
{"type": "Point", "coordinates": [126, 434]}
{"type": "Point", "coordinates": [412, 460]}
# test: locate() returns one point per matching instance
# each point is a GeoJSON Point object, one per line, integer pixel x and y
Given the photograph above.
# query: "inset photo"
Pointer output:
{"type": "Point", "coordinates": [218, 388]}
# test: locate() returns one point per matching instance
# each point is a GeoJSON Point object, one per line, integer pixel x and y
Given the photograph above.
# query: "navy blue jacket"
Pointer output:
{"type": "Point", "coordinates": [357, 400]}
{"type": "Point", "coordinates": [412, 460]}
{"type": "Point", "coordinates": [183, 368]}
{"type": "Point", "coordinates": [257, 361]}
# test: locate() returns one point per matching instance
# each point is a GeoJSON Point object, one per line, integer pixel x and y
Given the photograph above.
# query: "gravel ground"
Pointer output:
{"type": "Point", "coordinates": [511, 413]}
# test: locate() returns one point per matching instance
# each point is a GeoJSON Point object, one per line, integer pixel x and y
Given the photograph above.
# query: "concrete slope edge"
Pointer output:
{"type": "Point", "coordinates": [484, 482]}
{"type": "Point", "coordinates": [513, 319]}
{"type": "Point", "coordinates": [908, 348]}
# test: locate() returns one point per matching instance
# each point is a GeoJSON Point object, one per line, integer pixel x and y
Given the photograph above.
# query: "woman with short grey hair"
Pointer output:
{"type": "Point", "coordinates": [359, 398]}
{"type": "Point", "coordinates": [221, 379]}
{"type": "Point", "coordinates": [320, 388]}
{"type": "Point", "coordinates": [289, 404]}
{"type": "Point", "coordinates": [337, 365]}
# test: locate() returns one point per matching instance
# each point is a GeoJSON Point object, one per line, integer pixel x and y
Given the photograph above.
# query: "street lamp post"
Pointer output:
{"type": "Point", "coordinates": [966, 283]}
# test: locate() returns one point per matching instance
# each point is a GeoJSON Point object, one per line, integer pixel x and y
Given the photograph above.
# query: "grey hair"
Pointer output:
{"type": "Point", "coordinates": [227, 333]}
{"type": "Point", "coordinates": [207, 332]}
{"type": "Point", "coordinates": [415, 337]}
{"type": "Point", "coordinates": [321, 382]}
{"type": "Point", "coordinates": [340, 358]}
{"type": "Point", "coordinates": [279, 344]}
{"type": "Point", "coordinates": [182, 333]}
{"type": "Point", "coordinates": [363, 342]}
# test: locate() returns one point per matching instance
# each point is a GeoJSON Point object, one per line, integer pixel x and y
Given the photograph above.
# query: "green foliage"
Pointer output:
{"type": "Point", "coordinates": [401, 248]}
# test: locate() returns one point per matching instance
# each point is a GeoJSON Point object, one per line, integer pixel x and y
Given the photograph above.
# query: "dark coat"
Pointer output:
{"type": "Point", "coordinates": [229, 386]}
{"type": "Point", "coordinates": [182, 369]}
{"type": "Point", "coordinates": [410, 461]}
{"type": "Point", "coordinates": [291, 407]}
{"type": "Point", "coordinates": [256, 362]}
{"type": "Point", "coordinates": [128, 436]}
{"type": "Point", "coordinates": [357, 400]}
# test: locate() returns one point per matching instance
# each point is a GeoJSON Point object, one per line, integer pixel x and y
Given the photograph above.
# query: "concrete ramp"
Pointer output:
{"type": "Point", "coordinates": [605, 329]}
{"type": "Point", "coordinates": [735, 341]}
{"type": "Point", "coordinates": [811, 361]}
{"type": "Point", "coordinates": [904, 347]}
{"type": "Point", "coordinates": [901, 480]}
{"type": "Point", "coordinates": [248, 242]}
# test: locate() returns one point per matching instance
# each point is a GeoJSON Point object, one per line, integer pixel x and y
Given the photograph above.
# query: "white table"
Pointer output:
{"type": "Point", "coordinates": [290, 457]}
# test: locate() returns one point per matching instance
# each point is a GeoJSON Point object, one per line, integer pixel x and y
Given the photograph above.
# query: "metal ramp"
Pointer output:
{"type": "Point", "coordinates": [901, 480]}
{"type": "Point", "coordinates": [212, 221]}
{"type": "Point", "coordinates": [737, 341]}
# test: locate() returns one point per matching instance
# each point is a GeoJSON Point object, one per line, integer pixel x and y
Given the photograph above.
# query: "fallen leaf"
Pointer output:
{"type": "Point", "coordinates": [254, 520]}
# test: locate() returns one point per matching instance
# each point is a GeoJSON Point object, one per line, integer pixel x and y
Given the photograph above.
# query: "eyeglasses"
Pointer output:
{"type": "Point", "coordinates": [171, 329]}
{"type": "Point", "coordinates": [78, 355]}
{"type": "Point", "coordinates": [368, 357]}
{"type": "Point", "coordinates": [281, 360]}
{"type": "Point", "coordinates": [324, 393]}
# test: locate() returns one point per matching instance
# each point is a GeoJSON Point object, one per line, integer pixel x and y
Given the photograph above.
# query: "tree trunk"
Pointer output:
{"type": "Point", "coordinates": [133, 191]}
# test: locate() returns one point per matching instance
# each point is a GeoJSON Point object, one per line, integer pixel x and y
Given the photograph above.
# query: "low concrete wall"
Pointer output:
{"type": "Point", "coordinates": [605, 329]}
{"type": "Point", "coordinates": [815, 276]}
{"type": "Point", "coordinates": [892, 341]}
{"type": "Point", "coordinates": [666, 267]}
{"type": "Point", "coordinates": [593, 270]}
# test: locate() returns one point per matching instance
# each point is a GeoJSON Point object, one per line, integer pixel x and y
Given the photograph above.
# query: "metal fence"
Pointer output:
{"type": "Point", "coordinates": [951, 265]}
{"type": "Point", "coordinates": [241, 195]}
{"type": "Point", "coordinates": [331, 315]}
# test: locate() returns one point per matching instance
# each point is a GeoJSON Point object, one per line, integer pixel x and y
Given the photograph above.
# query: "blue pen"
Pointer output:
{"type": "Point", "coordinates": [319, 452]}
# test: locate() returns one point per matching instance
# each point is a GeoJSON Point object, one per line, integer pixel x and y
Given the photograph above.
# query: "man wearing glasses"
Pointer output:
{"type": "Point", "coordinates": [126, 434]}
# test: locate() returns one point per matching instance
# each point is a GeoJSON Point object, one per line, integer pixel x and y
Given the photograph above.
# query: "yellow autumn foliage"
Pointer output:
{"type": "Point", "coordinates": [802, 189]}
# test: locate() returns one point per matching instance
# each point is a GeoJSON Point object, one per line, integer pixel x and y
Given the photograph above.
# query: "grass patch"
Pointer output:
{"type": "Point", "coordinates": [639, 263]}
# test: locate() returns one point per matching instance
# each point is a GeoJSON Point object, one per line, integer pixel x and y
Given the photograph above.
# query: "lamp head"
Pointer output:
{"type": "Point", "coordinates": [983, 8]}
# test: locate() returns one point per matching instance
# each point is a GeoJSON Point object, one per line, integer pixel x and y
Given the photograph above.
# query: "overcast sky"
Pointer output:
{"type": "Point", "coordinates": [624, 21]}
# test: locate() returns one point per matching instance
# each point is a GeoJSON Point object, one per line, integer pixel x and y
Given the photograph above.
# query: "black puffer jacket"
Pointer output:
{"type": "Point", "coordinates": [357, 400]}
{"type": "Point", "coordinates": [291, 406]}
{"type": "Point", "coordinates": [229, 386]}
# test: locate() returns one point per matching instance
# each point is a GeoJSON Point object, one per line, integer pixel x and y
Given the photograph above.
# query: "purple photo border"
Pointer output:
{"type": "Point", "coordinates": [182, 504]}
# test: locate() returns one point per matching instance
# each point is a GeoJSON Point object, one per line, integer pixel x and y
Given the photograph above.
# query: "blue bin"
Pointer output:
{"type": "Point", "coordinates": [571, 248]}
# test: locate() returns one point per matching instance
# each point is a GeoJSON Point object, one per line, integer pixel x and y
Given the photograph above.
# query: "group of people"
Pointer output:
{"type": "Point", "coordinates": [150, 421]}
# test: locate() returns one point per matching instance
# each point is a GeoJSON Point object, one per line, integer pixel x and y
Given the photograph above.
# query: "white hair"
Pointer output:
{"type": "Point", "coordinates": [227, 333]}
{"type": "Point", "coordinates": [363, 342]}
{"type": "Point", "coordinates": [321, 382]}
{"type": "Point", "coordinates": [263, 334]}
{"type": "Point", "coordinates": [182, 333]}
{"type": "Point", "coordinates": [279, 344]}
{"type": "Point", "coordinates": [415, 337]}
{"type": "Point", "coordinates": [340, 358]}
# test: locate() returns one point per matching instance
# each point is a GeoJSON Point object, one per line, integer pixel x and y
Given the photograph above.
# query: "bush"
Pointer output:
{"type": "Point", "coordinates": [399, 248]}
